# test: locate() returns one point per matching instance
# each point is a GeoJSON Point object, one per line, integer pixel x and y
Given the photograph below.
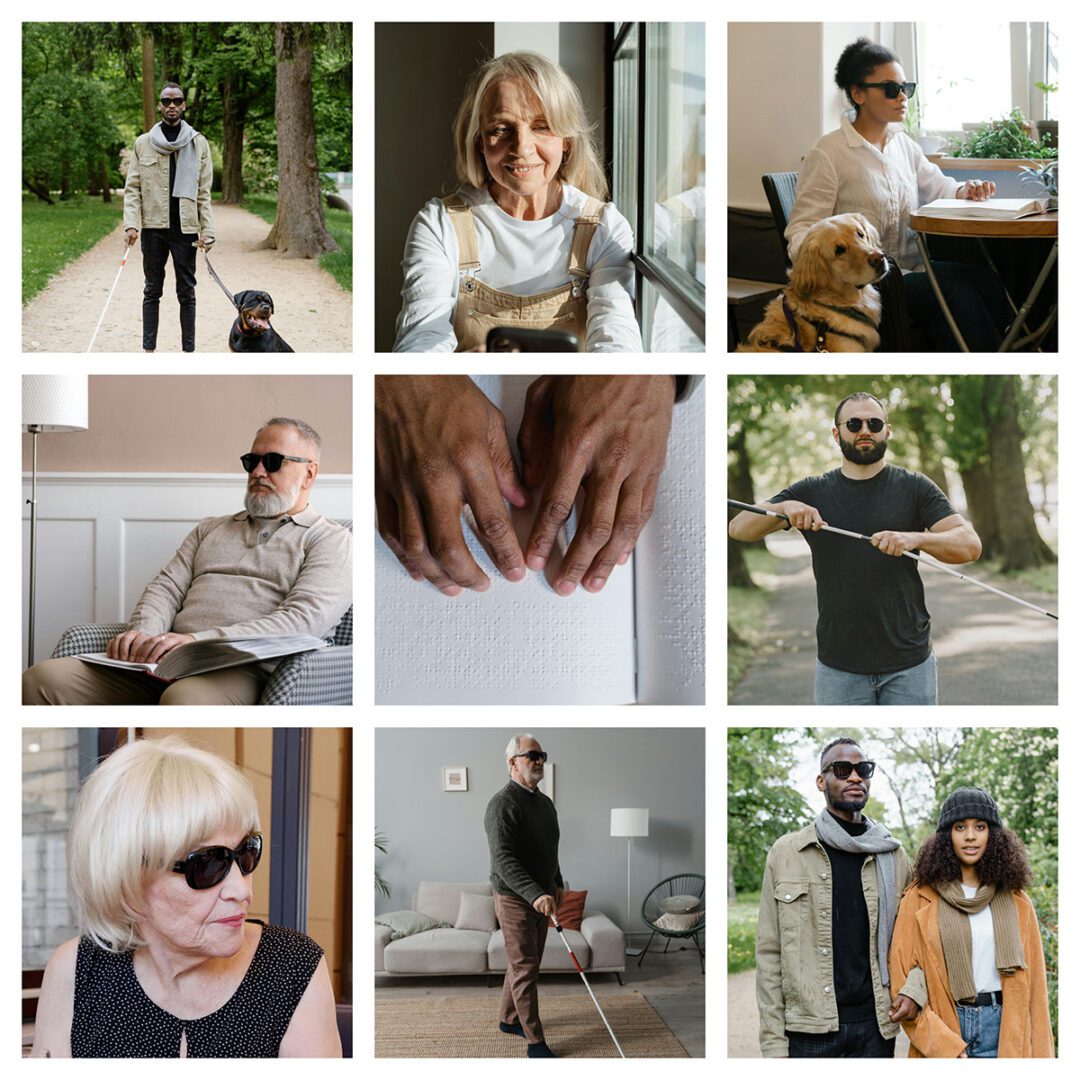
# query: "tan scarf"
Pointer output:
{"type": "Point", "coordinates": [955, 927]}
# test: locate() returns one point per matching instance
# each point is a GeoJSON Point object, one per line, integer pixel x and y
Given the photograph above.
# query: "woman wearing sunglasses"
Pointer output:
{"type": "Point", "coordinates": [164, 841]}
{"type": "Point", "coordinates": [968, 924]}
{"type": "Point", "coordinates": [869, 167]}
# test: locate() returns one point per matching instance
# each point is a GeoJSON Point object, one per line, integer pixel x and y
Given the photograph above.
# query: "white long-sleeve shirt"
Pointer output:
{"type": "Point", "coordinates": [844, 174]}
{"type": "Point", "coordinates": [524, 258]}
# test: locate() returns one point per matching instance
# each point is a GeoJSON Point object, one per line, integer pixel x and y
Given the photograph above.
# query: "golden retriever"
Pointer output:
{"type": "Point", "coordinates": [830, 298]}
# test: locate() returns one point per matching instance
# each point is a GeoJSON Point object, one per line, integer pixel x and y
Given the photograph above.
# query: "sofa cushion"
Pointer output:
{"type": "Point", "coordinates": [406, 923]}
{"type": "Point", "coordinates": [441, 899]}
{"type": "Point", "coordinates": [556, 958]}
{"type": "Point", "coordinates": [438, 951]}
{"type": "Point", "coordinates": [680, 904]}
{"type": "Point", "coordinates": [671, 920]}
{"type": "Point", "coordinates": [476, 913]}
{"type": "Point", "coordinates": [571, 910]}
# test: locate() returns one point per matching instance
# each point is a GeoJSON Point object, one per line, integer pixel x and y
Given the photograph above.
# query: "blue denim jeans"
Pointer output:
{"type": "Point", "coordinates": [976, 299]}
{"type": "Point", "coordinates": [980, 1026]}
{"type": "Point", "coordinates": [913, 686]}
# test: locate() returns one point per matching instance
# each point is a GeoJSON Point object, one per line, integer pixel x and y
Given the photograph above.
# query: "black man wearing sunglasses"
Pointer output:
{"type": "Point", "coordinates": [829, 899]}
{"type": "Point", "coordinates": [873, 629]}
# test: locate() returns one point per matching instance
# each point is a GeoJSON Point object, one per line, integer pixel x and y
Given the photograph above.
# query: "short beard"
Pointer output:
{"type": "Point", "coordinates": [847, 805]}
{"type": "Point", "coordinates": [272, 504]}
{"type": "Point", "coordinates": [863, 457]}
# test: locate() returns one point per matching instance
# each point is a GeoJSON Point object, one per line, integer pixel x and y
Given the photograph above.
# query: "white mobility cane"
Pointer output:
{"type": "Point", "coordinates": [588, 987]}
{"type": "Point", "coordinates": [127, 251]}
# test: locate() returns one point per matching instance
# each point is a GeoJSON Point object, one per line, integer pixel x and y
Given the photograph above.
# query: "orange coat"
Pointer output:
{"type": "Point", "coordinates": [1025, 1008]}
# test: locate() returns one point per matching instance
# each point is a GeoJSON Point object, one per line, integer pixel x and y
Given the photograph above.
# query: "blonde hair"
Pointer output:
{"type": "Point", "coordinates": [563, 110]}
{"type": "Point", "coordinates": [142, 809]}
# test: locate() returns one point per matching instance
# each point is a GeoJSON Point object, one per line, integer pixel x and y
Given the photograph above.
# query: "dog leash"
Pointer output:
{"type": "Point", "coordinates": [213, 274]}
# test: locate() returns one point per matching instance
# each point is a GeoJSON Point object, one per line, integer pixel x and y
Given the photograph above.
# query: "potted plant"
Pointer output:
{"type": "Point", "coordinates": [1045, 177]}
{"type": "Point", "coordinates": [381, 845]}
{"type": "Point", "coordinates": [1008, 137]}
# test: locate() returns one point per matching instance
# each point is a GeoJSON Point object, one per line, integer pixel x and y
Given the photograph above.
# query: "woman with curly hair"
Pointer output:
{"type": "Point", "coordinates": [967, 922]}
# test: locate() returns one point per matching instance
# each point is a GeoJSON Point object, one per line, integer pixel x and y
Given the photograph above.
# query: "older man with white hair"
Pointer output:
{"type": "Point", "coordinates": [523, 838]}
{"type": "Point", "coordinates": [277, 567]}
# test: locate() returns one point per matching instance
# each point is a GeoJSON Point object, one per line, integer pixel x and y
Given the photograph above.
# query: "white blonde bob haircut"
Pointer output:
{"type": "Point", "coordinates": [563, 110]}
{"type": "Point", "coordinates": [145, 807]}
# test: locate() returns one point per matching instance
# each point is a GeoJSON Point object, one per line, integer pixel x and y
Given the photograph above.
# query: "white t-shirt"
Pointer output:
{"type": "Point", "coordinates": [524, 258]}
{"type": "Point", "coordinates": [983, 956]}
{"type": "Point", "coordinates": [844, 174]}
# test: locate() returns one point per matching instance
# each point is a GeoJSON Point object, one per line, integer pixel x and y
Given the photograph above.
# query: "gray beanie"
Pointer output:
{"type": "Point", "coordinates": [968, 802]}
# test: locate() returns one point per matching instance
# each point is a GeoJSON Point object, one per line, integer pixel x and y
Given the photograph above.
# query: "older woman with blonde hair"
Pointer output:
{"type": "Point", "coordinates": [164, 840]}
{"type": "Point", "coordinates": [527, 240]}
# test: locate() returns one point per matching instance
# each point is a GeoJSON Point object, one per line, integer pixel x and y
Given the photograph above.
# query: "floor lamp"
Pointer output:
{"type": "Point", "coordinates": [629, 823]}
{"type": "Point", "coordinates": [49, 403]}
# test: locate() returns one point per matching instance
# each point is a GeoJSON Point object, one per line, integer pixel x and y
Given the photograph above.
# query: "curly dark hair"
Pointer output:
{"type": "Point", "coordinates": [857, 61]}
{"type": "Point", "coordinates": [1004, 863]}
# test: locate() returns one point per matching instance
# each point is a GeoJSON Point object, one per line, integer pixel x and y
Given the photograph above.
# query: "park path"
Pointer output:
{"type": "Point", "coordinates": [990, 651]}
{"type": "Point", "coordinates": [311, 311]}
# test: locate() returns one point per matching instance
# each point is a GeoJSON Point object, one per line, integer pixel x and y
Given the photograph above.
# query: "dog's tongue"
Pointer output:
{"type": "Point", "coordinates": [262, 324]}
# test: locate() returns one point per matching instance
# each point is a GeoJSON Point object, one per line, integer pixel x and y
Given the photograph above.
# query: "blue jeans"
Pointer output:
{"type": "Point", "coordinates": [976, 299]}
{"type": "Point", "coordinates": [913, 686]}
{"type": "Point", "coordinates": [980, 1026]}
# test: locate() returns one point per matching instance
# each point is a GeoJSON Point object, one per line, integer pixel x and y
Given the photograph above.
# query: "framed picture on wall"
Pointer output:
{"type": "Point", "coordinates": [547, 785]}
{"type": "Point", "coordinates": [455, 778]}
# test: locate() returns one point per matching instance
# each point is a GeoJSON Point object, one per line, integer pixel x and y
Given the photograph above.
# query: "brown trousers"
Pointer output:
{"type": "Point", "coordinates": [524, 937]}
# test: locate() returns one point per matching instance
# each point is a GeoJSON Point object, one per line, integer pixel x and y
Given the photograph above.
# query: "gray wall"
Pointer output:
{"type": "Point", "coordinates": [439, 836]}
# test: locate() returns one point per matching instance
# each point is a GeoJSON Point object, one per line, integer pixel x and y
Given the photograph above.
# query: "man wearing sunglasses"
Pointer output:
{"type": "Point", "coordinates": [167, 199]}
{"type": "Point", "coordinates": [523, 839]}
{"type": "Point", "coordinates": [829, 898]}
{"type": "Point", "coordinates": [873, 629]}
{"type": "Point", "coordinates": [276, 567]}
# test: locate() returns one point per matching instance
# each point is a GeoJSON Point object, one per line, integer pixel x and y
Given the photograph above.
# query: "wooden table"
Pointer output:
{"type": "Point", "coordinates": [980, 228]}
{"type": "Point", "coordinates": [745, 291]}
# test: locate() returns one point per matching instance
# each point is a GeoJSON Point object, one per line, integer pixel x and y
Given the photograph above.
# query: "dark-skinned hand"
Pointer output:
{"type": "Point", "coordinates": [440, 444]}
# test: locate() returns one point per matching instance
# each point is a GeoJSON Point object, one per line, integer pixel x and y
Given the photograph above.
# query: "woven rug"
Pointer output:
{"type": "Point", "coordinates": [467, 1027]}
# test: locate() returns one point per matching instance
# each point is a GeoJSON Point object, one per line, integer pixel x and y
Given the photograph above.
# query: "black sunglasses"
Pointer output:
{"type": "Point", "coordinates": [875, 424]}
{"type": "Point", "coordinates": [842, 769]}
{"type": "Point", "coordinates": [534, 755]}
{"type": "Point", "coordinates": [209, 866]}
{"type": "Point", "coordinates": [167, 101]}
{"type": "Point", "coordinates": [271, 462]}
{"type": "Point", "coordinates": [892, 89]}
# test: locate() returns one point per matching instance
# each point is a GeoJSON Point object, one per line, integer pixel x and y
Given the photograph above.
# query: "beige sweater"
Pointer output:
{"type": "Point", "coordinates": [243, 577]}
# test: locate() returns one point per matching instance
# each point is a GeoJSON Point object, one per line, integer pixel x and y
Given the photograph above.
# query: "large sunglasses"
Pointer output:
{"type": "Point", "coordinates": [874, 423]}
{"type": "Point", "coordinates": [271, 462]}
{"type": "Point", "coordinates": [209, 866]}
{"type": "Point", "coordinates": [534, 755]}
{"type": "Point", "coordinates": [842, 769]}
{"type": "Point", "coordinates": [892, 89]}
{"type": "Point", "coordinates": [167, 101]}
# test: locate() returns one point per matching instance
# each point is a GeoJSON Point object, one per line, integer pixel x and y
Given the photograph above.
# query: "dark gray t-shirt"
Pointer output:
{"type": "Point", "coordinates": [872, 616]}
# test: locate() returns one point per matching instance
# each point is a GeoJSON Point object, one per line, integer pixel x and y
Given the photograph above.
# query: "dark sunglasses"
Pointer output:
{"type": "Point", "coordinates": [167, 101]}
{"type": "Point", "coordinates": [842, 769]}
{"type": "Point", "coordinates": [892, 89]}
{"type": "Point", "coordinates": [271, 462]}
{"type": "Point", "coordinates": [875, 424]}
{"type": "Point", "coordinates": [534, 755]}
{"type": "Point", "coordinates": [209, 866]}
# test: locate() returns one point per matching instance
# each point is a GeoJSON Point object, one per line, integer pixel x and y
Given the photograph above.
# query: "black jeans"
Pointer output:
{"type": "Point", "coordinates": [861, 1039]}
{"type": "Point", "coordinates": [157, 245]}
{"type": "Point", "coordinates": [976, 298]}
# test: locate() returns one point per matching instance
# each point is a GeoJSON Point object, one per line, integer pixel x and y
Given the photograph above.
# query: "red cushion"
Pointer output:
{"type": "Point", "coordinates": [571, 910]}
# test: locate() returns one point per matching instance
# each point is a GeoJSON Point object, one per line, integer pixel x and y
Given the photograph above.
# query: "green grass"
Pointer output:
{"type": "Point", "coordinates": [338, 224]}
{"type": "Point", "coordinates": [746, 609]}
{"type": "Point", "coordinates": [53, 236]}
{"type": "Point", "coordinates": [742, 932]}
{"type": "Point", "coordinates": [1043, 578]}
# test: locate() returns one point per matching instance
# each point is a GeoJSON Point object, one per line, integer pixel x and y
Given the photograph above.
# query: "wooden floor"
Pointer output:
{"type": "Point", "coordinates": [672, 983]}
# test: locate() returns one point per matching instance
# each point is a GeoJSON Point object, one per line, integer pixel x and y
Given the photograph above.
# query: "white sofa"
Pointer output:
{"type": "Point", "coordinates": [598, 945]}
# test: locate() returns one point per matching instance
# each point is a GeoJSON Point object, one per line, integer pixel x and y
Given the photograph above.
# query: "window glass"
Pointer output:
{"type": "Point", "coordinates": [963, 72]}
{"type": "Point", "coordinates": [663, 329]}
{"type": "Point", "coordinates": [625, 134]}
{"type": "Point", "coordinates": [1052, 77]}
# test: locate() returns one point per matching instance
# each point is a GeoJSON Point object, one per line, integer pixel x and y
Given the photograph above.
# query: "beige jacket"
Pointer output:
{"type": "Point", "coordinates": [146, 193]}
{"type": "Point", "coordinates": [795, 949]}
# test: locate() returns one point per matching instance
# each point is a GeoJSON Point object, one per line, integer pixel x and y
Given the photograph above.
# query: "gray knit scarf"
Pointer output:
{"type": "Point", "coordinates": [187, 163]}
{"type": "Point", "coordinates": [875, 841]}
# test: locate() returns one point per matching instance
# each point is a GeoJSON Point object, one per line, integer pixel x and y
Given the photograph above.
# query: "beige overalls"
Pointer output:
{"type": "Point", "coordinates": [480, 307]}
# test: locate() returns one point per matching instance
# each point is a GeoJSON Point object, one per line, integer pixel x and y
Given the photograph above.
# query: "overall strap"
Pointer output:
{"type": "Point", "coordinates": [461, 218]}
{"type": "Point", "coordinates": [584, 229]}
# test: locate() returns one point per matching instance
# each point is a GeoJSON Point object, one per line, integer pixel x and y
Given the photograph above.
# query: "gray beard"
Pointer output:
{"type": "Point", "coordinates": [270, 504]}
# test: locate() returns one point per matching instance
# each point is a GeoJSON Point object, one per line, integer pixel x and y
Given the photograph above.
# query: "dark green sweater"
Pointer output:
{"type": "Point", "coordinates": [523, 838]}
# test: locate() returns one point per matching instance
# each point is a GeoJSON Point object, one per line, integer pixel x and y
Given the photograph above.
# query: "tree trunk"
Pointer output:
{"type": "Point", "coordinates": [1021, 545]}
{"type": "Point", "coordinates": [149, 83]}
{"type": "Point", "coordinates": [39, 189]}
{"type": "Point", "coordinates": [106, 188]}
{"type": "Point", "coordinates": [65, 180]}
{"type": "Point", "coordinates": [930, 463]}
{"type": "Point", "coordinates": [979, 492]}
{"type": "Point", "coordinates": [741, 487]}
{"type": "Point", "coordinates": [299, 227]}
{"type": "Point", "coordinates": [233, 115]}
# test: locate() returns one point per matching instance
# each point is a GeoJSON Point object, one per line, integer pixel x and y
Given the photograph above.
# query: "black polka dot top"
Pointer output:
{"type": "Point", "coordinates": [114, 1018]}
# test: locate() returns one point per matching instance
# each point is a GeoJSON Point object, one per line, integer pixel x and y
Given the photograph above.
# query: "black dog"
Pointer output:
{"type": "Point", "coordinates": [252, 332]}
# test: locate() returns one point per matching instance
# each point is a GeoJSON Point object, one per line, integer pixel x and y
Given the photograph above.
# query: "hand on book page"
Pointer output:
{"type": "Point", "coordinates": [605, 434]}
{"type": "Point", "coordinates": [140, 648]}
{"type": "Point", "coordinates": [441, 445]}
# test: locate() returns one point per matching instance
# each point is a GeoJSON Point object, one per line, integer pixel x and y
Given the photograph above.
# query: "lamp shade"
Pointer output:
{"type": "Point", "coordinates": [630, 822]}
{"type": "Point", "coordinates": [55, 402]}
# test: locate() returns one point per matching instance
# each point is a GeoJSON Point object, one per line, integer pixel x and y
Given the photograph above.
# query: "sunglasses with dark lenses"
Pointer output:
{"type": "Point", "coordinates": [209, 866]}
{"type": "Point", "coordinates": [167, 101]}
{"type": "Point", "coordinates": [892, 89]}
{"type": "Point", "coordinates": [875, 424]}
{"type": "Point", "coordinates": [534, 755]}
{"type": "Point", "coordinates": [842, 769]}
{"type": "Point", "coordinates": [271, 462]}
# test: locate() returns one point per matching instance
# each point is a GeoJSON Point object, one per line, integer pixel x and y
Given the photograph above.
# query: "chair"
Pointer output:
{"type": "Point", "coordinates": [679, 885]}
{"type": "Point", "coordinates": [321, 677]}
{"type": "Point", "coordinates": [344, 1026]}
{"type": "Point", "coordinates": [895, 329]}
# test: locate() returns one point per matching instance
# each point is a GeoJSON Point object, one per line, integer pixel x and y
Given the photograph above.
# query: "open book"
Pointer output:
{"type": "Point", "coordinates": [213, 654]}
{"type": "Point", "coordinates": [641, 639]}
{"type": "Point", "coordinates": [1007, 209]}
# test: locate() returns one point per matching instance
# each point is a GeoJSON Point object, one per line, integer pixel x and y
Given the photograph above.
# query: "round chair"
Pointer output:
{"type": "Point", "coordinates": [651, 911]}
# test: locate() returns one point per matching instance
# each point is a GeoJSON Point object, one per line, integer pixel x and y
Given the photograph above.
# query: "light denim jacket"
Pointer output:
{"type": "Point", "coordinates": [146, 193]}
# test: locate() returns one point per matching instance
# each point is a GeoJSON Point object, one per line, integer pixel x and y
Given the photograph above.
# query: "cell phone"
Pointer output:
{"type": "Point", "coordinates": [518, 339]}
